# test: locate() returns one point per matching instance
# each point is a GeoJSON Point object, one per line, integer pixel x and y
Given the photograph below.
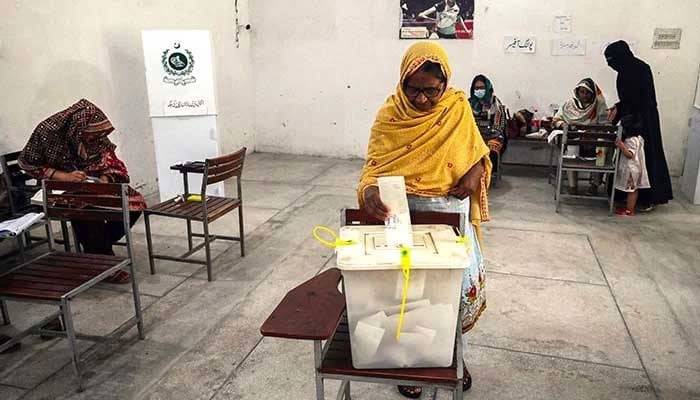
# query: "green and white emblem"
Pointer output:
{"type": "Point", "coordinates": [178, 64]}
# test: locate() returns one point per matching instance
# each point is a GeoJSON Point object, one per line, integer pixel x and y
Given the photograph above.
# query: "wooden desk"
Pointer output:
{"type": "Point", "coordinates": [315, 310]}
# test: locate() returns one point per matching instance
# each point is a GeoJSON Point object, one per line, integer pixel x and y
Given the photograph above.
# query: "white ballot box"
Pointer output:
{"type": "Point", "coordinates": [374, 285]}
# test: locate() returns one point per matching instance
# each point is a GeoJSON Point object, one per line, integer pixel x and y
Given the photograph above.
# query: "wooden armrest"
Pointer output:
{"type": "Point", "coordinates": [310, 311]}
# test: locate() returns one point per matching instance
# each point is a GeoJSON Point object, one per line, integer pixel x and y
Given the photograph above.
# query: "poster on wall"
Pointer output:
{"type": "Point", "coordinates": [179, 73]}
{"type": "Point", "coordinates": [437, 19]}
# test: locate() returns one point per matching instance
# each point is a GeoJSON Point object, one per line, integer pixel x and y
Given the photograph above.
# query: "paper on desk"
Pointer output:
{"type": "Point", "coordinates": [14, 227]}
{"type": "Point", "coordinates": [392, 191]}
{"type": "Point", "coordinates": [38, 198]}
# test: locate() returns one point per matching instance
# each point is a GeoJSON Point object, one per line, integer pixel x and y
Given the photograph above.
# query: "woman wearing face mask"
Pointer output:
{"type": "Point", "coordinates": [585, 108]}
{"type": "Point", "coordinates": [489, 110]}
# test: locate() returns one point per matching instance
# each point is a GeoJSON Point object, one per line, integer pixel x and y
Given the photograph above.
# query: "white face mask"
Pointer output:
{"type": "Point", "coordinates": [480, 93]}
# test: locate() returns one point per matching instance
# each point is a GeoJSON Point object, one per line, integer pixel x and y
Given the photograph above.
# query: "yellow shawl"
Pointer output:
{"type": "Point", "coordinates": [431, 149]}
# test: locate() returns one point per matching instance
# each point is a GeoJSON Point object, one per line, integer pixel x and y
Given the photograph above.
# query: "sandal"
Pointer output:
{"type": "Point", "coordinates": [120, 277]}
{"type": "Point", "coordinates": [15, 347]}
{"type": "Point", "coordinates": [623, 212]}
{"type": "Point", "coordinates": [412, 392]}
{"type": "Point", "coordinates": [466, 380]}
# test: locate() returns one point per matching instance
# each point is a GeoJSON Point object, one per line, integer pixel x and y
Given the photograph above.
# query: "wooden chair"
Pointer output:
{"type": "Point", "coordinates": [206, 209]}
{"type": "Point", "coordinates": [590, 135]}
{"type": "Point", "coordinates": [20, 190]}
{"type": "Point", "coordinates": [315, 310]}
{"type": "Point", "coordinates": [58, 277]}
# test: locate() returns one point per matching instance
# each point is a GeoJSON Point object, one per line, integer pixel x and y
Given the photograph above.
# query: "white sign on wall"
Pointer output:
{"type": "Point", "coordinates": [667, 38]}
{"type": "Point", "coordinates": [519, 44]}
{"type": "Point", "coordinates": [562, 24]}
{"type": "Point", "coordinates": [569, 47]}
{"type": "Point", "coordinates": [179, 72]}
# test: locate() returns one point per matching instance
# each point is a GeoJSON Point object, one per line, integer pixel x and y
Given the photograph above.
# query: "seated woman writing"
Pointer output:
{"type": "Point", "coordinates": [587, 107]}
{"type": "Point", "coordinates": [72, 146]}
{"type": "Point", "coordinates": [489, 109]}
{"type": "Point", "coordinates": [426, 133]}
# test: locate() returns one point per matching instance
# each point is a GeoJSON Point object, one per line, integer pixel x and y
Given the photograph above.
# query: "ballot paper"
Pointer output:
{"type": "Point", "coordinates": [375, 344]}
{"type": "Point", "coordinates": [368, 335]}
{"type": "Point", "coordinates": [392, 191]}
{"type": "Point", "coordinates": [38, 198]}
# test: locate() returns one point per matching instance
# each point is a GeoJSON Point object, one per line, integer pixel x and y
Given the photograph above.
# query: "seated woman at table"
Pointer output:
{"type": "Point", "coordinates": [72, 146]}
{"type": "Point", "coordinates": [487, 107]}
{"type": "Point", "coordinates": [426, 133]}
{"type": "Point", "coordinates": [586, 107]}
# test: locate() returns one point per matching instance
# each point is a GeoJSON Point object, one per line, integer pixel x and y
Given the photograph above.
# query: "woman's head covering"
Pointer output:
{"type": "Point", "coordinates": [479, 103]}
{"type": "Point", "coordinates": [432, 149]}
{"type": "Point", "coordinates": [618, 54]}
{"type": "Point", "coordinates": [574, 111]}
{"type": "Point", "coordinates": [413, 59]}
{"type": "Point", "coordinates": [81, 128]}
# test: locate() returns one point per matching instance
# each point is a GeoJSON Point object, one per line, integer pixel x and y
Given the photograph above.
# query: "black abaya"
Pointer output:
{"type": "Point", "coordinates": [635, 89]}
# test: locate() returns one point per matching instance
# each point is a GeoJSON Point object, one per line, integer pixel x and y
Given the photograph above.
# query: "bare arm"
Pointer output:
{"type": "Point", "coordinates": [623, 148]}
{"type": "Point", "coordinates": [427, 12]}
{"type": "Point", "coordinates": [469, 183]}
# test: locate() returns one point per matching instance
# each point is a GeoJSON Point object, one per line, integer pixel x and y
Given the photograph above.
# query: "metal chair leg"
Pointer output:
{"type": "Point", "coordinates": [189, 235]}
{"type": "Point", "coordinates": [318, 354]}
{"type": "Point", "coordinates": [557, 195]}
{"type": "Point", "coordinates": [65, 236]}
{"type": "Point", "coordinates": [240, 229]}
{"type": "Point", "coordinates": [20, 244]}
{"type": "Point", "coordinates": [76, 242]}
{"type": "Point", "coordinates": [347, 392]}
{"type": "Point", "coordinates": [5, 313]}
{"type": "Point", "coordinates": [149, 243]}
{"type": "Point", "coordinates": [137, 300]}
{"type": "Point", "coordinates": [28, 238]}
{"type": "Point", "coordinates": [207, 248]}
{"type": "Point", "coordinates": [70, 335]}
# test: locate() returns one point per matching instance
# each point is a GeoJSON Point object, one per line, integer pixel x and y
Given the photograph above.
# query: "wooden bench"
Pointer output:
{"type": "Point", "coordinates": [315, 310]}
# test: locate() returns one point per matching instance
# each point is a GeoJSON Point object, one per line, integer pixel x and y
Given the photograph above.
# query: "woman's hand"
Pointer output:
{"type": "Point", "coordinates": [469, 183]}
{"type": "Point", "coordinates": [373, 204]}
{"type": "Point", "coordinates": [612, 113]}
{"type": "Point", "coordinates": [104, 179]}
{"type": "Point", "coordinates": [75, 176]}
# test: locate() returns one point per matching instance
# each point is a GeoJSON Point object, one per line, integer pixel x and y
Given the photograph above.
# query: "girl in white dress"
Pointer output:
{"type": "Point", "coordinates": [632, 170]}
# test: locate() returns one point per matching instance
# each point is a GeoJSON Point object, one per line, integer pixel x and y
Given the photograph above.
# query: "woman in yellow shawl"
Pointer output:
{"type": "Point", "coordinates": [426, 133]}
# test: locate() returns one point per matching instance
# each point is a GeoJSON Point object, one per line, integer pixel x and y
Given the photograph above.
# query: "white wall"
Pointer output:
{"type": "Point", "coordinates": [314, 72]}
{"type": "Point", "coordinates": [322, 68]}
{"type": "Point", "coordinates": [54, 52]}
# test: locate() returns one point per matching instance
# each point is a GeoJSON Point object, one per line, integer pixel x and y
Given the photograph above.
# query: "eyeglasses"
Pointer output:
{"type": "Point", "coordinates": [429, 92]}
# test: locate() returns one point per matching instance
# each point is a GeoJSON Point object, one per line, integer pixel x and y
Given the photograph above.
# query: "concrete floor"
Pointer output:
{"type": "Point", "coordinates": [580, 305]}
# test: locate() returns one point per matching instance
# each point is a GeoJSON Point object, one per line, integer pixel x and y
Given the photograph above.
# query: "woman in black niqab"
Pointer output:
{"type": "Point", "coordinates": [635, 89]}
